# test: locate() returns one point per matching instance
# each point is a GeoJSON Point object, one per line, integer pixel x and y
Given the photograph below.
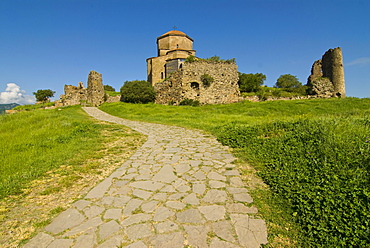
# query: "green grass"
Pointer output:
{"type": "Point", "coordinates": [34, 106]}
{"type": "Point", "coordinates": [38, 141]}
{"type": "Point", "coordinates": [209, 117]}
{"type": "Point", "coordinates": [314, 155]}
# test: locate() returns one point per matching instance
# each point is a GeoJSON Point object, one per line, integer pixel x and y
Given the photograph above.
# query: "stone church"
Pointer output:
{"type": "Point", "coordinates": [175, 80]}
{"type": "Point", "coordinates": [173, 48]}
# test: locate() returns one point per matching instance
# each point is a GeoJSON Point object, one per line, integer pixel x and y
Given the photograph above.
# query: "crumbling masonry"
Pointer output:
{"type": "Point", "coordinates": [327, 75]}
{"type": "Point", "coordinates": [175, 80]}
{"type": "Point", "coordinates": [93, 95]}
{"type": "Point", "coordinates": [187, 83]}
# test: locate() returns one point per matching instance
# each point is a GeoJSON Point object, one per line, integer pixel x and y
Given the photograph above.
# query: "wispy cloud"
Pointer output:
{"type": "Point", "coordinates": [14, 94]}
{"type": "Point", "coordinates": [360, 61]}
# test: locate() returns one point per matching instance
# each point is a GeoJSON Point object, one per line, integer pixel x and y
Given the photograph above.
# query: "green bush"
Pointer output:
{"type": "Point", "coordinates": [189, 102]}
{"type": "Point", "coordinates": [207, 80]}
{"type": "Point", "coordinates": [137, 92]}
{"type": "Point", "coordinates": [250, 82]}
{"type": "Point", "coordinates": [109, 88]}
{"type": "Point", "coordinates": [321, 167]}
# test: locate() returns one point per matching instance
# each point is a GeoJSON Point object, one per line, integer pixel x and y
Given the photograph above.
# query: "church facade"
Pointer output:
{"type": "Point", "coordinates": [173, 48]}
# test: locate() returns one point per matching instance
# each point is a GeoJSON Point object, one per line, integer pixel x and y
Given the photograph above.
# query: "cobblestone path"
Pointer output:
{"type": "Point", "coordinates": [178, 190]}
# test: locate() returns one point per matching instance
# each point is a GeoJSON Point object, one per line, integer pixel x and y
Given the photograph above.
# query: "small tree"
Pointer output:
{"type": "Point", "coordinates": [251, 82]}
{"type": "Point", "coordinates": [137, 92]}
{"type": "Point", "coordinates": [109, 88]}
{"type": "Point", "coordinates": [43, 95]}
{"type": "Point", "coordinates": [287, 81]}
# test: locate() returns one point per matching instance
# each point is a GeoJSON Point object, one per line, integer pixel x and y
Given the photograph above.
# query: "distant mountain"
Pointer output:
{"type": "Point", "coordinates": [4, 107]}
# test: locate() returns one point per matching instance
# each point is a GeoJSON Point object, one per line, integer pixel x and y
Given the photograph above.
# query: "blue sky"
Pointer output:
{"type": "Point", "coordinates": [45, 44]}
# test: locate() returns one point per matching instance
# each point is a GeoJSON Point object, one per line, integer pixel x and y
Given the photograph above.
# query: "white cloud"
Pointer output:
{"type": "Point", "coordinates": [14, 94]}
{"type": "Point", "coordinates": [360, 61]}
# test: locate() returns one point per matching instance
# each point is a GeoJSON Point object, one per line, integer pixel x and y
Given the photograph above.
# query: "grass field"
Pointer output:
{"type": "Point", "coordinates": [313, 154]}
{"type": "Point", "coordinates": [48, 159]}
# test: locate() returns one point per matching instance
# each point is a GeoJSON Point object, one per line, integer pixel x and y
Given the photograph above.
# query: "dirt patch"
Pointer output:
{"type": "Point", "coordinates": [22, 216]}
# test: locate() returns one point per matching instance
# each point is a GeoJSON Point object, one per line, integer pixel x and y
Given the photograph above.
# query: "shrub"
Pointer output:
{"type": "Point", "coordinates": [137, 92]}
{"type": "Point", "coordinates": [207, 80]}
{"type": "Point", "coordinates": [109, 88]}
{"type": "Point", "coordinates": [250, 82]}
{"type": "Point", "coordinates": [287, 81]}
{"type": "Point", "coordinates": [189, 102]}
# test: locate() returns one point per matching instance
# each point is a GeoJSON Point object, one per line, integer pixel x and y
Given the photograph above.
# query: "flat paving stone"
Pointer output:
{"type": "Point", "coordinates": [197, 235]}
{"type": "Point", "coordinates": [199, 188]}
{"type": "Point", "coordinates": [167, 226]}
{"type": "Point", "coordinates": [147, 185]}
{"type": "Point", "coordinates": [215, 196]}
{"type": "Point", "coordinates": [136, 218]}
{"type": "Point", "coordinates": [93, 211]}
{"type": "Point", "coordinates": [191, 199]}
{"type": "Point", "coordinates": [190, 216]}
{"type": "Point", "coordinates": [66, 220]}
{"type": "Point", "coordinates": [172, 240]}
{"type": "Point", "coordinates": [142, 194]}
{"type": "Point", "coordinates": [61, 243]}
{"type": "Point", "coordinates": [138, 244]}
{"type": "Point", "coordinates": [85, 226]}
{"type": "Point", "coordinates": [213, 212]}
{"type": "Point", "coordinates": [81, 204]}
{"type": "Point", "coordinates": [108, 228]}
{"type": "Point", "coordinates": [114, 214]}
{"type": "Point", "coordinates": [40, 240]}
{"type": "Point", "coordinates": [224, 230]}
{"type": "Point", "coordinates": [162, 213]}
{"type": "Point", "coordinates": [180, 189]}
{"type": "Point", "coordinates": [85, 240]}
{"type": "Point", "coordinates": [138, 231]}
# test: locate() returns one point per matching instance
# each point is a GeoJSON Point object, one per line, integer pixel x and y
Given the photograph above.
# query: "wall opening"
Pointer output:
{"type": "Point", "coordinates": [194, 85]}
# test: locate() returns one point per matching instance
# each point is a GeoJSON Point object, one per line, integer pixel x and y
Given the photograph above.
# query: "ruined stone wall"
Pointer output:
{"type": "Point", "coordinates": [186, 83]}
{"type": "Point", "coordinates": [93, 95]}
{"type": "Point", "coordinates": [327, 75]}
{"type": "Point", "coordinates": [332, 68]}
{"type": "Point", "coordinates": [95, 89]}
{"type": "Point", "coordinates": [74, 95]}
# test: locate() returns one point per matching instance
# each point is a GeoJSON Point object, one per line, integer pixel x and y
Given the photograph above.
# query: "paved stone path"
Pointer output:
{"type": "Point", "coordinates": [178, 190]}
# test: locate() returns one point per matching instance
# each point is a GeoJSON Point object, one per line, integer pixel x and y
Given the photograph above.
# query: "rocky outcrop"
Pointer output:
{"type": "Point", "coordinates": [327, 75]}
{"type": "Point", "coordinates": [190, 82]}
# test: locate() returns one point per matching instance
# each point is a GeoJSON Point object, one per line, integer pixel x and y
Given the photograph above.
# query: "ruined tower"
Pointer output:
{"type": "Point", "coordinates": [327, 75]}
{"type": "Point", "coordinates": [173, 48]}
{"type": "Point", "coordinates": [95, 89]}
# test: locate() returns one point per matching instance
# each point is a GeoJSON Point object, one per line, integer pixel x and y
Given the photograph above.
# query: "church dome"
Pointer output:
{"type": "Point", "coordinates": [174, 32]}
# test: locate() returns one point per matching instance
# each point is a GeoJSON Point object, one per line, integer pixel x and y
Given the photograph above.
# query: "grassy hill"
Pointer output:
{"type": "Point", "coordinates": [48, 157]}
{"type": "Point", "coordinates": [313, 154]}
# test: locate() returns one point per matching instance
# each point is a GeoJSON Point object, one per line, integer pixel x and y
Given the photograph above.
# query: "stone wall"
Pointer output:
{"type": "Point", "coordinates": [327, 75]}
{"type": "Point", "coordinates": [93, 95]}
{"type": "Point", "coordinates": [186, 83]}
{"type": "Point", "coordinates": [95, 89]}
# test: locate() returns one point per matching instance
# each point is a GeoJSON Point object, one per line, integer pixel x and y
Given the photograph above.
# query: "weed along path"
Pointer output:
{"type": "Point", "coordinates": [179, 189]}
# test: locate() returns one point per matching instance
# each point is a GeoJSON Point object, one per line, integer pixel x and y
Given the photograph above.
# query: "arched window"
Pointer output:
{"type": "Point", "coordinates": [180, 66]}
{"type": "Point", "coordinates": [177, 45]}
{"type": "Point", "coordinates": [162, 75]}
